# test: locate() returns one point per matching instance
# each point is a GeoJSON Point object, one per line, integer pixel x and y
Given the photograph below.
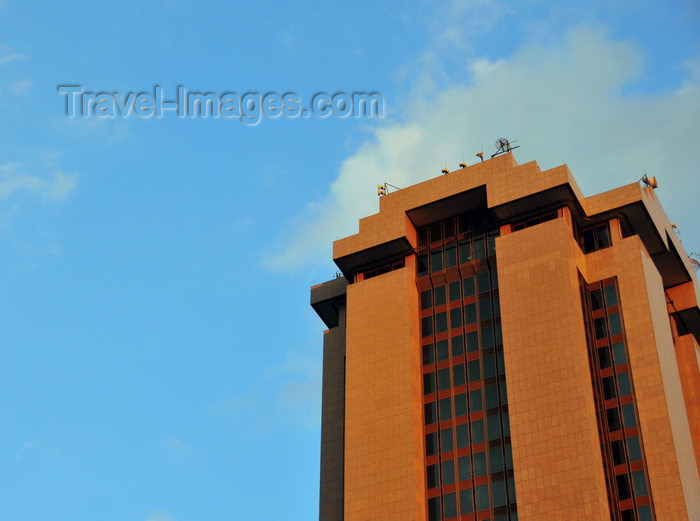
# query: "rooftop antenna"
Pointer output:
{"type": "Point", "coordinates": [503, 146]}
{"type": "Point", "coordinates": [649, 181]}
{"type": "Point", "coordinates": [480, 155]}
{"type": "Point", "coordinates": [463, 164]}
{"type": "Point", "coordinates": [445, 170]}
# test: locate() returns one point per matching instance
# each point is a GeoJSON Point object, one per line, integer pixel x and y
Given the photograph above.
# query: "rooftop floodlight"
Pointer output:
{"type": "Point", "coordinates": [649, 181]}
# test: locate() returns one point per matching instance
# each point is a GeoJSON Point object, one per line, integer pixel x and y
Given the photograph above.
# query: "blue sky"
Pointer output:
{"type": "Point", "coordinates": [158, 357]}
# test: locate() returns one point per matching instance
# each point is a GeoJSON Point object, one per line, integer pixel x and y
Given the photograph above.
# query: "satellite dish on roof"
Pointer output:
{"type": "Point", "coordinates": [503, 146]}
{"type": "Point", "coordinates": [694, 262]}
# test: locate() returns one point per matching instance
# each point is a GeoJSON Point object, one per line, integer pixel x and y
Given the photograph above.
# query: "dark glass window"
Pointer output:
{"type": "Point", "coordinates": [509, 456]}
{"type": "Point", "coordinates": [613, 420]}
{"type": "Point", "coordinates": [440, 322]}
{"type": "Point", "coordinates": [428, 354]}
{"type": "Point", "coordinates": [464, 468]}
{"type": "Point", "coordinates": [480, 468]}
{"type": "Point", "coordinates": [615, 324]}
{"type": "Point", "coordinates": [457, 345]}
{"type": "Point", "coordinates": [470, 314]}
{"type": "Point", "coordinates": [640, 483]}
{"type": "Point", "coordinates": [444, 378]}
{"type": "Point", "coordinates": [427, 326]}
{"type": "Point", "coordinates": [446, 409]}
{"type": "Point", "coordinates": [479, 250]}
{"type": "Point", "coordinates": [482, 282]}
{"type": "Point", "coordinates": [645, 513]}
{"type": "Point", "coordinates": [431, 444]}
{"type": "Point", "coordinates": [623, 487]}
{"type": "Point", "coordinates": [422, 265]}
{"type": "Point", "coordinates": [596, 299]}
{"type": "Point", "coordinates": [634, 449]}
{"type": "Point", "coordinates": [486, 337]}
{"type": "Point", "coordinates": [446, 440]}
{"type": "Point", "coordinates": [422, 236]}
{"type": "Point", "coordinates": [619, 353]}
{"type": "Point", "coordinates": [588, 240]}
{"type": "Point", "coordinates": [511, 490]}
{"type": "Point", "coordinates": [426, 299]}
{"type": "Point", "coordinates": [450, 505]}
{"type": "Point", "coordinates": [455, 291]}
{"type": "Point", "coordinates": [482, 497]}
{"type": "Point", "coordinates": [478, 432]}
{"type": "Point", "coordinates": [603, 235]}
{"type": "Point", "coordinates": [489, 366]}
{"type": "Point", "coordinates": [603, 357]}
{"type": "Point", "coordinates": [491, 396]}
{"type": "Point", "coordinates": [450, 256]}
{"type": "Point", "coordinates": [628, 418]}
{"type": "Point", "coordinates": [430, 413]}
{"type": "Point", "coordinates": [474, 370]}
{"type": "Point", "coordinates": [428, 383]}
{"type": "Point", "coordinates": [449, 228]}
{"type": "Point", "coordinates": [472, 341]}
{"type": "Point", "coordinates": [435, 232]}
{"type": "Point", "coordinates": [465, 253]}
{"type": "Point", "coordinates": [440, 296]}
{"type": "Point", "coordinates": [448, 472]}
{"type": "Point", "coordinates": [600, 329]}
{"type": "Point", "coordinates": [608, 387]}
{"type": "Point", "coordinates": [492, 243]}
{"type": "Point", "coordinates": [498, 489]}
{"type": "Point", "coordinates": [434, 512]}
{"type": "Point", "coordinates": [610, 295]}
{"type": "Point", "coordinates": [628, 515]}
{"type": "Point", "coordinates": [504, 394]}
{"type": "Point", "coordinates": [455, 317]}
{"type": "Point", "coordinates": [468, 284]}
{"type": "Point", "coordinates": [462, 432]}
{"type": "Point", "coordinates": [485, 309]}
{"type": "Point", "coordinates": [493, 426]}
{"type": "Point", "coordinates": [618, 452]}
{"type": "Point", "coordinates": [475, 400]}
{"type": "Point", "coordinates": [435, 261]}
{"type": "Point", "coordinates": [443, 351]}
{"type": "Point", "coordinates": [461, 405]}
{"type": "Point", "coordinates": [496, 460]}
{"type": "Point", "coordinates": [623, 384]}
{"type": "Point", "coordinates": [433, 476]}
{"type": "Point", "coordinates": [506, 424]}
{"type": "Point", "coordinates": [458, 375]}
{"type": "Point", "coordinates": [466, 504]}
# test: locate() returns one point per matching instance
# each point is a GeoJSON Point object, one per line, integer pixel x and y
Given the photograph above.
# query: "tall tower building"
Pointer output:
{"type": "Point", "coordinates": [500, 347]}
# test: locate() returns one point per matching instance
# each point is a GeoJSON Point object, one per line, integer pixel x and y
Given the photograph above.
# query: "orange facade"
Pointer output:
{"type": "Point", "coordinates": [478, 375]}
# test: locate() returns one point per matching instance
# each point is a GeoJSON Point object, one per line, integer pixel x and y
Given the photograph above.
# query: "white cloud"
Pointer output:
{"type": "Point", "coordinates": [177, 448]}
{"type": "Point", "coordinates": [26, 447]}
{"type": "Point", "coordinates": [159, 516]}
{"type": "Point", "coordinates": [20, 87]}
{"type": "Point", "coordinates": [6, 54]}
{"type": "Point", "coordinates": [36, 180]}
{"type": "Point", "coordinates": [564, 102]}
